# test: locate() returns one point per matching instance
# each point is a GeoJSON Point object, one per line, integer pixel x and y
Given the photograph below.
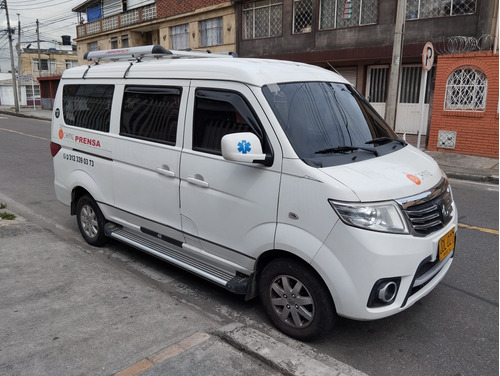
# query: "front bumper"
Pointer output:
{"type": "Point", "coordinates": [352, 260]}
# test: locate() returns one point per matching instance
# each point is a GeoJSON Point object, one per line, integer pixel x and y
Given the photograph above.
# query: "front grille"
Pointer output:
{"type": "Point", "coordinates": [430, 211]}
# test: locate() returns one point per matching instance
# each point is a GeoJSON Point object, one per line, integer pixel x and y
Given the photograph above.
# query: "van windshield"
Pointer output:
{"type": "Point", "coordinates": [330, 123]}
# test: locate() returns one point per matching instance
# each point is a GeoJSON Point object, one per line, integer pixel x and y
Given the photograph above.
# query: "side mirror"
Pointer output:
{"type": "Point", "coordinates": [242, 147]}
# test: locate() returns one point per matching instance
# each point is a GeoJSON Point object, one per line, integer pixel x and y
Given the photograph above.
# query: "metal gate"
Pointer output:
{"type": "Point", "coordinates": [408, 112]}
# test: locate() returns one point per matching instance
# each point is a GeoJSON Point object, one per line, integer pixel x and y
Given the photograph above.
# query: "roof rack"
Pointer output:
{"type": "Point", "coordinates": [152, 51]}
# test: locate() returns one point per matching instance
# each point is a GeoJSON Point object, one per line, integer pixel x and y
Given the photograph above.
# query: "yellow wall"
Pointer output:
{"type": "Point", "coordinates": [26, 67]}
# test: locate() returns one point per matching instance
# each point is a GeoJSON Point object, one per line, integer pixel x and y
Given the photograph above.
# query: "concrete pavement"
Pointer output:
{"type": "Point", "coordinates": [456, 166]}
{"type": "Point", "coordinates": [66, 312]}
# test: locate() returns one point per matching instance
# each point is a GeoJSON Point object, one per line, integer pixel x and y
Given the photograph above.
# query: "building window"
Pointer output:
{"type": "Point", "coordinates": [179, 37]}
{"type": "Point", "coordinates": [93, 46]}
{"type": "Point", "coordinates": [262, 19]}
{"type": "Point", "coordinates": [347, 13]}
{"type": "Point", "coordinates": [439, 8]}
{"type": "Point", "coordinates": [302, 16]}
{"type": "Point", "coordinates": [44, 65]}
{"type": "Point", "coordinates": [114, 43]}
{"type": "Point", "coordinates": [71, 63]}
{"type": "Point", "coordinates": [36, 65]}
{"type": "Point", "coordinates": [211, 32]}
{"type": "Point", "coordinates": [32, 92]}
{"type": "Point", "coordinates": [124, 41]}
{"type": "Point", "coordinates": [466, 90]}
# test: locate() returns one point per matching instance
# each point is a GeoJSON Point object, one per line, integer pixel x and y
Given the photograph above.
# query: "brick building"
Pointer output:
{"type": "Point", "coordinates": [465, 108]}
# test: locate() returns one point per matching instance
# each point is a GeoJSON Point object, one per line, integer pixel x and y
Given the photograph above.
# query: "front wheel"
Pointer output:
{"type": "Point", "coordinates": [296, 299]}
{"type": "Point", "coordinates": [90, 221]}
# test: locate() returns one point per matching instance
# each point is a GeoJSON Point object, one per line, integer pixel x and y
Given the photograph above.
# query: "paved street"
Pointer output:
{"type": "Point", "coordinates": [73, 309]}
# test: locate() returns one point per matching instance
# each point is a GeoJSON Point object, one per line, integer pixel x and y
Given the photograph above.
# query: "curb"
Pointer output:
{"type": "Point", "coordinates": [281, 357]}
{"type": "Point", "coordinates": [471, 177]}
{"type": "Point", "coordinates": [20, 114]}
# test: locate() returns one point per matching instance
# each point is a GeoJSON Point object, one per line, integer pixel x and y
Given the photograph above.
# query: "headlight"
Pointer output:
{"type": "Point", "coordinates": [383, 216]}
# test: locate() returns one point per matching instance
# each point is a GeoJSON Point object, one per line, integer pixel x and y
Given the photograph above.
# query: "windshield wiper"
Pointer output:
{"type": "Point", "coordinates": [345, 149]}
{"type": "Point", "coordinates": [385, 140]}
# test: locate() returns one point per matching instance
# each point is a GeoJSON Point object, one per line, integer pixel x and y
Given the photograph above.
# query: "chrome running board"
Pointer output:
{"type": "Point", "coordinates": [236, 283]}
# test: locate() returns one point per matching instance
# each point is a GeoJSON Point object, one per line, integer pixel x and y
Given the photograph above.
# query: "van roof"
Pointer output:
{"type": "Point", "coordinates": [258, 72]}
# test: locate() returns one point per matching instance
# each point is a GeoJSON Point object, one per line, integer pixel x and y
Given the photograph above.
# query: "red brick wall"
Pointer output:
{"type": "Point", "coordinates": [167, 8]}
{"type": "Point", "coordinates": [477, 132]}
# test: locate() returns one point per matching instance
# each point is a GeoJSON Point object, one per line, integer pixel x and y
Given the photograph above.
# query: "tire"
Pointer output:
{"type": "Point", "coordinates": [296, 299]}
{"type": "Point", "coordinates": [90, 221]}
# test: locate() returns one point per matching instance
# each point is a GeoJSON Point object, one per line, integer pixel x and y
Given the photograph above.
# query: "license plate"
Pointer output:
{"type": "Point", "coordinates": [446, 244]}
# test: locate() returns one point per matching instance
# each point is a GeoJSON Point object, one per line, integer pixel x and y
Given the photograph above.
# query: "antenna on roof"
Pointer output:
{"type": "Point", "coordinates": [155, 51]}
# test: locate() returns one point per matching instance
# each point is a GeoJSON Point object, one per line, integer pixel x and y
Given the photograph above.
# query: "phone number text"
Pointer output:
{"type": "Point", "coordinates": [78, 159]}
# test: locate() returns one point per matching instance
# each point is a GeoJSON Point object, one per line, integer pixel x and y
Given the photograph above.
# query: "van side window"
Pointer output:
{"type": "Point", "coordinates": [151, 113]}
{"type": "Point", "coordinates": [88, 106]}
{"type": "Point", "coordinates": [218, 113]}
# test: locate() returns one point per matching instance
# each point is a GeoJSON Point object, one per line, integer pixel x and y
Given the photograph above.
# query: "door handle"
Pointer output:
{"type": "Point", "coordinates": [197, 180]}
{"type": "Point", "coordinates": [164, 170]}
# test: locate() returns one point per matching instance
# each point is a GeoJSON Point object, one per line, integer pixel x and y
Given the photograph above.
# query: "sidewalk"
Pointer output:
{"type": "Point", "coordinates": [456, 166]}
{"type": "Point", "coordinates": [66, 312]}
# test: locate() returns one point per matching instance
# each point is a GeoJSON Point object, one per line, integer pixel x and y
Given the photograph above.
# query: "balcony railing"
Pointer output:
{"type": "Point", "coordinates": [132, 17]}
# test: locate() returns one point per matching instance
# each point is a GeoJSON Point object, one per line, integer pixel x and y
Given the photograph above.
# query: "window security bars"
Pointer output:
{"type": "Point", "coordinates": [439, 8]}
{"type": "Point", "coordinates": [262, 19]}
{"type": "Point", "coordinates": [302, 16]}
{"type": "Point", "coordinates": [466, 90]}
{"type": "Point", "coordinates": [347, 13]}
{"type": "Point", "coordinates": [377, 92]}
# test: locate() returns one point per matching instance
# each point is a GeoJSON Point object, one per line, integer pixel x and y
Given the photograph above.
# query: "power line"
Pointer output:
{"type": "Point", "coordinates": [31, 7]}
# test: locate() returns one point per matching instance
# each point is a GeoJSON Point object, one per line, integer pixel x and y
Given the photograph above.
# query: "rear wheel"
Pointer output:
{"type": "Point", "coordinates": [296, 299]}
{"type": "Point", "coordinates": [90, 221]}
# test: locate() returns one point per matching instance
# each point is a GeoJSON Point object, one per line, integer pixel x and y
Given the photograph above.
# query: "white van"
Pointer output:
{"type": "Point", "coordinates": [268, 178]}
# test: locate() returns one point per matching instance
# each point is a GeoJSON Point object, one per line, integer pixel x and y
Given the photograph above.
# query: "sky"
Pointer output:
{"type": "Point", "coordinates": [55, 18]}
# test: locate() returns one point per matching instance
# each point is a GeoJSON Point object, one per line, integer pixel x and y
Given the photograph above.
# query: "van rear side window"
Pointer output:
{"type": "Point", "coordinates": [151, 113]}
{"type": "Point", "coordinates": [88, 106]}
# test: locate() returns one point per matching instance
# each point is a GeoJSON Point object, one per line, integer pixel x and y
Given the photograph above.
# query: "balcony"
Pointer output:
{"type": "Point", "coordinates": [132, 17]}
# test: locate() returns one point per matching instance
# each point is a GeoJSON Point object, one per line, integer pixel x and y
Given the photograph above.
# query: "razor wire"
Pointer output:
{"type": "Point", "coordinates": [463, 44]}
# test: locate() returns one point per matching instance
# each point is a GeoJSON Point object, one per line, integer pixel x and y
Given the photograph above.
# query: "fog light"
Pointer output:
{"type": "Point", "coordinates": [387, 292]}
{"type": "Point", "coordinates": [384, 292]}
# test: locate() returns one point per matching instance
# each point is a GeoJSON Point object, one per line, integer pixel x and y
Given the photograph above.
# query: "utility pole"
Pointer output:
{"type": "Point", "coordinates": [38, 42]}
{"type": "Point", "coordinates": [12, 67]}
{"type": "Point", "coordinates": [392, 93]}
{"type": "Point", "coordinates": [19, 58]}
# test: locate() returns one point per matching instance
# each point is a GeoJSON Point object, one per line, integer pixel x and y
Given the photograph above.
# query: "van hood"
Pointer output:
{"type": "Point", "coordinates": [404, 173]}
